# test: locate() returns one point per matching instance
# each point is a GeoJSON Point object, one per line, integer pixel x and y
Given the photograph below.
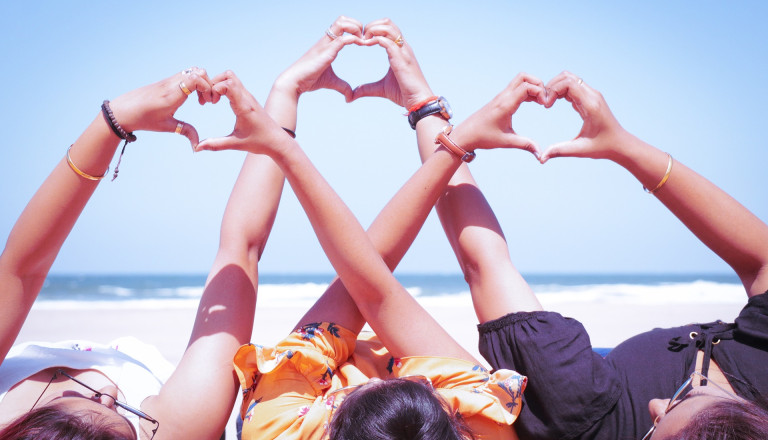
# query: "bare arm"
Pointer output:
{"type": "Point", "coordinates": [390, 310]}
{"type": "Point", "coordinates": [224, 319]}
{"type": "Point", "coordinates": [718, 220]}
{"type": "Point", "coordinates": [345, 242]}
{"type": "Point", "coordinates": [39, 233]}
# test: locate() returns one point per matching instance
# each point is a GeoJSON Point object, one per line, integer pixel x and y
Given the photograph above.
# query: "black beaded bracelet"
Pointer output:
{"type": "Point", "coordinates": [290, 132]}
{"type": "Point", "coordinates": [116, 128]}
{"type": "Point", "coordinates": [119, 132]}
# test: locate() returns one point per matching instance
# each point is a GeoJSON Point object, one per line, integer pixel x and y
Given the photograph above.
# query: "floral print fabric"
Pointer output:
{"type": "Point", "coordinates": [286, 388]}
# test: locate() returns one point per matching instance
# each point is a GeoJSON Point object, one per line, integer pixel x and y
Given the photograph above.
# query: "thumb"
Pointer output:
{"type": "Point", "coordinates": [375, 89]}
{"type": "Point", "coordinates": [338, 84]}
{"type": "Point", "coordinates": [218, 144]}
{"type": "Point", "coordinates": [511, 140]}
{"type": "Point", "coordinates": [573, 148]}
{"type": "Point", "coordinates": [184, 129]}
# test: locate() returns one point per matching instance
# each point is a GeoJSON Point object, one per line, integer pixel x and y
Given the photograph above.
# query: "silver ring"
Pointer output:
{"type": "Point", "coordinates": [580, 82]}
{"type": "Point", "coordinates": [330, 34]}
{"type": "Point", "coordinates": [187, 72]}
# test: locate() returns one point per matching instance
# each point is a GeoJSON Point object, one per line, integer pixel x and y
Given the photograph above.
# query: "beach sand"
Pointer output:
{"type": "Point", "coordinates": [608, 324]}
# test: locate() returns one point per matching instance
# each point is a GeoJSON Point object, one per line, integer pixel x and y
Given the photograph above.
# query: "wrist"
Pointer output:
{"type": "Point", "coordinates": [626, 149]}
{"type": "Point", "coordinates": [461, 137]}
{"type": "Point", "coordinates": [285, 88]}
{"type": "Point", "coordinates": [123, 114]}
{"type": "Point", "coordinates": [445, 139]}
{"type": "Point", "coordinates": [416, 98]}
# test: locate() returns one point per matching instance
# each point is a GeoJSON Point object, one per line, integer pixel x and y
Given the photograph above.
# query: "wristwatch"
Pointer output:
{"type": "Point", "coordinates": [440, 105]}
{"type": "Point", "coordinates": [443, 139]}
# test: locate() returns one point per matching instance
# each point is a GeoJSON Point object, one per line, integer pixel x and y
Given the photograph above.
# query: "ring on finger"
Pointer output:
{"type": "Point", "coordinates": [187, 71]}
{"type": "Point", "coordinates": [580, 82]}
{"type": "Point", "coordinates": [179, 127]}
{"type": "Point", "coordinates": [330, 34]}
{"type": "Point", "coordinates": [399, 40]}
{"type": "Point", "coordinates": [184, 88]}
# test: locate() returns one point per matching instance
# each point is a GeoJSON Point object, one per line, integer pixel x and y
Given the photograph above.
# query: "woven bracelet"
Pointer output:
{"type": "Point", "coordinates": [119, 132]}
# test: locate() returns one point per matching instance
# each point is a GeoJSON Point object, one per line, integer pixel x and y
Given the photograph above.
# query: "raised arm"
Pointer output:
{"type": "Point", "coordinates": [467, 219]}
{"type": "Point", "coordinates": [224, 319]}
{"type": "Point", "coordinates": [472, 229]}
{"type": "Point", "coordinates": [381, 299]}
{"type": "Point", "coordinates": [719, 221]}
{"type": "Point", "coordinates": [40, 231]}
{"type": "Point", "coordinates": [396, 227]}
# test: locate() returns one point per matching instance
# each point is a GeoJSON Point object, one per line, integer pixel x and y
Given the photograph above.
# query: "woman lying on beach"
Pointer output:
{"type": "Point", "coordinates": [81, 390]}
{"type": "Point", "coordinates": [325, 379]}
{"type": "Point", "coordinates": [698, 381]}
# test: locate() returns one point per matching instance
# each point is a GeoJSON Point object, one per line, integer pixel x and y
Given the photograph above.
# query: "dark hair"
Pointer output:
{"type": "Point", "coordinates": [52, 423]}
{"type": "Point", "coordinates": [396, 409]}
{"type": "Point", "coordinates": [729, 419]}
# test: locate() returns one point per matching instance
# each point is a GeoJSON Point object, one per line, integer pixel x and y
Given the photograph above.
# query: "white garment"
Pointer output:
{"type": "Point", "coordinates": [138, 369]}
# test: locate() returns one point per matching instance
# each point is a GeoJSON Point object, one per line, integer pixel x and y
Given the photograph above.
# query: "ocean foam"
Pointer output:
{"type": "Point", "coordinates": [303, 295]}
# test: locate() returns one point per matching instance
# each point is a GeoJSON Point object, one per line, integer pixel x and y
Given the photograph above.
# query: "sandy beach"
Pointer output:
{"type": "Point", "coordinates": [608, 324]}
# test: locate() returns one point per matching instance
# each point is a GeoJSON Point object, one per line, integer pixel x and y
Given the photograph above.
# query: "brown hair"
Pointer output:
{"type": "Point", "coordinates": [396, 409]}
{"type": "Point", "coordinates": [52, 423]}
{"type": "Point", "coordinates": [729, 419]}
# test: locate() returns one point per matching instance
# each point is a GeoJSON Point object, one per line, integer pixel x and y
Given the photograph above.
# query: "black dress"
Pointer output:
{"type": "Point", "coordinates": [574, 393]}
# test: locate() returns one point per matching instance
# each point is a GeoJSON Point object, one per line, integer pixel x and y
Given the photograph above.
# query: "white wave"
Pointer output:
{"type": "Point", "coordinates": [115, 291]}
{"type": "Point", "coordinates": [303, 295]}
{"type": "Point", "coordinates": [181, 292]}
{"type": "Point", "coordinates": [702, 292]}
{"type": "Point", "coordinates": [143, 304]}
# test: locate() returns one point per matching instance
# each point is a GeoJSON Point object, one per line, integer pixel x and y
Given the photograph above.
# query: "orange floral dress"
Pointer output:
{"type": "Point", "coordinates": [286, 388]}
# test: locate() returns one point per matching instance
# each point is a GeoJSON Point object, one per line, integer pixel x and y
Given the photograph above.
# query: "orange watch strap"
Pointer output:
{"type": "Point", "coordinates": [443, 139]}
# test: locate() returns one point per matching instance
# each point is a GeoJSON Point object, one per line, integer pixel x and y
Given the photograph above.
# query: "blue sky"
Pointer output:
{"type": "Point", "coordinates": [688, 77]}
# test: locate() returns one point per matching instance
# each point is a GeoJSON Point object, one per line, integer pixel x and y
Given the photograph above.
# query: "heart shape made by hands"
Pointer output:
{"type": "Point", "coordinates": [547, 126]}
{"type": "Point", "coordinates": [355, 64]}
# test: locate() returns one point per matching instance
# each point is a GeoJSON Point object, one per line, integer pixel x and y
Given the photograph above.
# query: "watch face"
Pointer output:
{"type": "Point", "coordinates": [445, 108]}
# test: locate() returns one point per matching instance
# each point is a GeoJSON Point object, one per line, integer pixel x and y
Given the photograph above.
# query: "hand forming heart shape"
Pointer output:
{"type": "Point", "coordinates": [404, 84]}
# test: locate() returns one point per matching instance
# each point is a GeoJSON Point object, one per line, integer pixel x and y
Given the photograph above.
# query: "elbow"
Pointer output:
{"type": "Point", "coordinates": [756, 280]}
{"type": "Point", "coordinates": [247, 252]}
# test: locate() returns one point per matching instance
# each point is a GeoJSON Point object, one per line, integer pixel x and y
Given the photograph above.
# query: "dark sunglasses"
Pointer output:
{"type": "Point", "coordinates": [97, 394]}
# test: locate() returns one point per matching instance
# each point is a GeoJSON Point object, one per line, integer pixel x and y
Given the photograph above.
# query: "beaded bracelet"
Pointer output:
{"type": "Point", "coordinates": [119, 132]}
{"type": "Point", "coordinates": [290, 132]}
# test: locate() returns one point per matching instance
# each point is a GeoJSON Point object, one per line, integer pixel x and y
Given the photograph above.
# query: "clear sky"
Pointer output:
{"type": "Point", "coordinates": [688, 77]}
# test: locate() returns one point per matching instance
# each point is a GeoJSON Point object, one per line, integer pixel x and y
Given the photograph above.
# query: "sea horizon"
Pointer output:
{"type": "Point", "coordinates": [62, 291]}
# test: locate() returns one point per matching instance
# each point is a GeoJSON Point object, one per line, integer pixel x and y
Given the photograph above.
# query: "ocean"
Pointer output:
{"type": "Point", "coordinates": [301, 290]}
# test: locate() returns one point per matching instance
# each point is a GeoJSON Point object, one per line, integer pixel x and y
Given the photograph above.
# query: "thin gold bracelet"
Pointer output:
{"type": "Point", "coordinates": [663, 179]}
{"type": "Point", "coordinates": [80, 172]}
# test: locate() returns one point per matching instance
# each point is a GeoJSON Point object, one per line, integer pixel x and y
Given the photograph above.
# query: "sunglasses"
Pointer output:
{"type": "Point", "coordinates": [680, 393]}
{"type": "Point", "coordinates": [122, 408]}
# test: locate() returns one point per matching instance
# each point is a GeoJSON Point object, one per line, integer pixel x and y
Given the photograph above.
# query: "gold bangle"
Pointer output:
{"type": "Point", "coordinates": [80, 172]}
{"type": "Point", "coordinates": [663, 179]}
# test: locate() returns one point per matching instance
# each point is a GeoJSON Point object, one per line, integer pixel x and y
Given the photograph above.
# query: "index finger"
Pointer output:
{"type": "Point", "coordinates": [344, 25]}
{"type": "Point", "coordinates": [566, 85]}
{"type": "Point", "coordinates": [197, 79]}
{"type": "Point", "coordinates": [523, 91]}
{"type": "Point", "coordinates": [229, 85]}
{"type": "Point", "coordinates": [382, 27]}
